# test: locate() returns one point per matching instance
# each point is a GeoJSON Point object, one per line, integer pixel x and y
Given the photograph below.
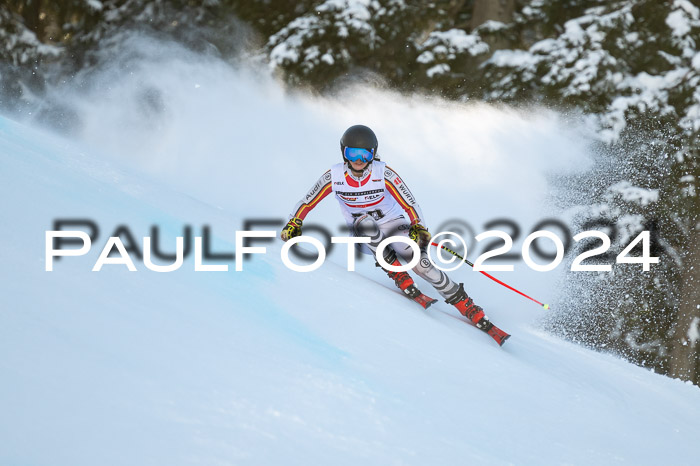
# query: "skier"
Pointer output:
{"type": "Point", "coordinates": [376, 203]}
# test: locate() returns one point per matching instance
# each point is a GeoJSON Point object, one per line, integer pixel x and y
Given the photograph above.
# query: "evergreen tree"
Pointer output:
{"type": "Point", "coordinates": [42, 41]}
{"type": "Point", "coordinates": [335, 40]}
{"type": "Point", "coordinates": [633, 66]}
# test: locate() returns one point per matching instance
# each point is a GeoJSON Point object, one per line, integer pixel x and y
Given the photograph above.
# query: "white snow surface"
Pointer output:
{"type": "Point", "coordinates": [269, 366]}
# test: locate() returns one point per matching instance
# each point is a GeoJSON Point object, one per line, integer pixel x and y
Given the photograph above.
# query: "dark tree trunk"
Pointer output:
{"type": "Point", "coordinates": [685, 357]}
{"type": "Point", "coordinates": [31, 12]}
{"type": "Point", "coordinates": [496, 10]}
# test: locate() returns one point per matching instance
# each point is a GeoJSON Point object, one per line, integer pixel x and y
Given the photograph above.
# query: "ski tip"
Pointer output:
{"type": "Point", "coordinates": [503, 339]}
{"type": "Point", "coordinates": [429, 303]}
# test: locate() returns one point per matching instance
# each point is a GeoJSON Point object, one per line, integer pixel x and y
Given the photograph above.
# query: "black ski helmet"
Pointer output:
{"type": "Point", "coordinates": [359, 136]}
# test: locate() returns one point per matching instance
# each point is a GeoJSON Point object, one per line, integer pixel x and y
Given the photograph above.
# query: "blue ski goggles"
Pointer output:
{"type": "Point", "coordinates": [353, 154]}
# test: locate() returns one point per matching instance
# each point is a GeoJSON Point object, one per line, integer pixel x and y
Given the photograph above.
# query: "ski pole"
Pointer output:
{"type": "Point", "coordinates": [546, 306]}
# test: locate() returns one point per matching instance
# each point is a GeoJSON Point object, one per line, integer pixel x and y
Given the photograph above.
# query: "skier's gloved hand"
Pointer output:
{"type": "Point", "coordinates": [419, 234]}
{"type": "Point", "coordinates": [292, 229]}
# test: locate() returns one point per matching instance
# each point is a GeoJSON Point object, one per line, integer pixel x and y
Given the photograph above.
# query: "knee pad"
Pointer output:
{"type": "Point", "coordinates": [365, 226]}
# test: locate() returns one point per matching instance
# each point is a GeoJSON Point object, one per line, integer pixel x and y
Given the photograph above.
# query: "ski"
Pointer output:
{"type": "Point", "coordinates": [485, 325]}
{"type": "Point", "coordinates": [494, 332]}
{"type": "Point", "coordinates": [499, 335]}
{"type": "Point", "coordinates": [424, 300]}
{"type": "Point", "coordinates": [414, 293]}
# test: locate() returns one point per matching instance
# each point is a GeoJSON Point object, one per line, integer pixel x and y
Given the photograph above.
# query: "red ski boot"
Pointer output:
{"type": "Point", "coordinates": [475, 314]}
{"type": "Point", "coordinates": [405, 283]}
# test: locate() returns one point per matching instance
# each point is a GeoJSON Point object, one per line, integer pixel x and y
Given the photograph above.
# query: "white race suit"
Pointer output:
{"type": "Point", "coordinates": [377, 204]}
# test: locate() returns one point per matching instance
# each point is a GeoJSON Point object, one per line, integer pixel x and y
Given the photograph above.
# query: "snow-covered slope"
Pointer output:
{"type": "Point", "coordinates": [270, 366]}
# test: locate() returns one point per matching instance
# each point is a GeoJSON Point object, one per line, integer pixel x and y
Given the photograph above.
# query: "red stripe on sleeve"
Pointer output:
{"type": "Point", "coordinates": [412, 214]}
{"type": "Point", "coordinates": [303, 211]}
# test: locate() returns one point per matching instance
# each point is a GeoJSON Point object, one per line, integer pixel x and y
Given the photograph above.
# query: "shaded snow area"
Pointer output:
{"type": "Point", "coordinates": [267, 366]}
